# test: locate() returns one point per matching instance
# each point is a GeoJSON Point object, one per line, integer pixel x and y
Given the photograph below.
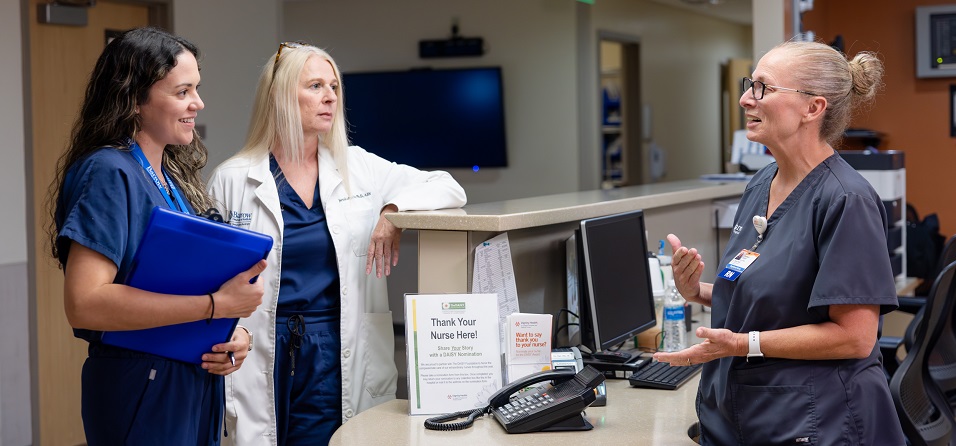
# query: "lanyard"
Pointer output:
{"type": "Point", "coordinates": [138, 154]}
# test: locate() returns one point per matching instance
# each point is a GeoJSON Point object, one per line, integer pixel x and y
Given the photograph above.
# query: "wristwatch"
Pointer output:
{"type": "Point", "coordinates": [248, 333]}
{"type": "Point", "coordinates": [754, 356]}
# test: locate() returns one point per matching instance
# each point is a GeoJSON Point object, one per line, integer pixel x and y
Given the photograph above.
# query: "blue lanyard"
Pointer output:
{"type": "Point", "coordinates": [138, 154]}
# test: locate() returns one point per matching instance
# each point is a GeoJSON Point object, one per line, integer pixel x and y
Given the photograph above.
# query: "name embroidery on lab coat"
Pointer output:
{"type": "Point", "coordinates": [360, 195]}
{"type": "Point", "coordinates": [240, 219]}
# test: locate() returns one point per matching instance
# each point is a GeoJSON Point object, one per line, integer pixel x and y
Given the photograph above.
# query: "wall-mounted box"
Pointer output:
{"type": "Point", "coordinates": [936, 41]}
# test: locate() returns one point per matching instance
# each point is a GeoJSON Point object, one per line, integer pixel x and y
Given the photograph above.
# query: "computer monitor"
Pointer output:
{"type": "Point", "coordinates": [620, 301]}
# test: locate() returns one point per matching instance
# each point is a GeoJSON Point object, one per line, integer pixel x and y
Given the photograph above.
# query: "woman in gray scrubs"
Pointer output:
{"type": "Point", "coordinates": [792, 357]}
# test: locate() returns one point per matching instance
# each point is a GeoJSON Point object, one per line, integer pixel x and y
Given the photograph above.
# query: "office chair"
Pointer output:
{"type": "Point", "coordinates": [924, 412]}
{"type": "Point", "coordinates": [889, 345]}
{"type": "Point", "coordinates": [946, 256]}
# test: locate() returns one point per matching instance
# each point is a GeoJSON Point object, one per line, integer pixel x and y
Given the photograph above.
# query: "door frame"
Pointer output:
{"type": "Point", "coordinates": [632, 109]}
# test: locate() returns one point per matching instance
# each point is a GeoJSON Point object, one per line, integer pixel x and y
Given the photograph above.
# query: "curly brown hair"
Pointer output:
{"type": "Point", "coordinates": [121, 79]}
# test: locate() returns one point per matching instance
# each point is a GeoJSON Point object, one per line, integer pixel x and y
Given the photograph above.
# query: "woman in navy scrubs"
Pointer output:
{"type": "Point", "coordinates": [792, 355]}
{"type": "Point", "coordinates": [134, 147]}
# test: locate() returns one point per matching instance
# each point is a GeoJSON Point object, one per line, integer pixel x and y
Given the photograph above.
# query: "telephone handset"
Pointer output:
{"type": "Point", "coordinates": [550, 409]}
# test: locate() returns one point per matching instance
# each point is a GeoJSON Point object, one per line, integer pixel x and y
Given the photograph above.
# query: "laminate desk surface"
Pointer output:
{"type": "Point", "coordinates": [545, 210]}
{"type": "Point", "coordinates": [632, 416]}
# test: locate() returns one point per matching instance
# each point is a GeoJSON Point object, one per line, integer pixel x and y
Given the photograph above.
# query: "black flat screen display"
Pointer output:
{"type": "Point", "coordinates": [620, 299]}
{"type": "Point", "coordinates": [429, 118]}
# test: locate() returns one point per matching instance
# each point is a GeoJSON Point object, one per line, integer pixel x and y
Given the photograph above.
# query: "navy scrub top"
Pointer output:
{"type": "Point", "coordinates": [309, 280]}
{"type": "Point", "coordinates": [105, 205]}
{"type": "Point", "coordinates": [824, 245]}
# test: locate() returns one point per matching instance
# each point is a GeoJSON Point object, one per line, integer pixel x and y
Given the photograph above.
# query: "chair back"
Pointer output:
{"type": "Point", "coordinates": [948, 255]}
{"type": "Point", "coordinates": [922, 407]}
{"type": "Point", "coordinates": [942, 359]}
{"type": "Point", "coordinates": [915, 305]}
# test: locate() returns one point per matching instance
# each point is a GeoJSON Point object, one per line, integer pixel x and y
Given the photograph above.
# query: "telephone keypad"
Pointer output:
{"type": "Point", "coordinates": [545, 407]}
{"type": "Point", "coordinates": [522, 406]}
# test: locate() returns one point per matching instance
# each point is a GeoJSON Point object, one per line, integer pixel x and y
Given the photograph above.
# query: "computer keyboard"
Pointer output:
{"type": "Point", "coordinates": [661, 375]}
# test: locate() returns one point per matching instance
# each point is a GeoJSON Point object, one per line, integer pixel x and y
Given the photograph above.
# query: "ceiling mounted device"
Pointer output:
{"type": "Point", "coordinates": [456, 46]}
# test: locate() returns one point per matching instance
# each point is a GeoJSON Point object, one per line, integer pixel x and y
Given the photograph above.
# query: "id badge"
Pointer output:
{"type": "Point", "coordinates": [738, 264]}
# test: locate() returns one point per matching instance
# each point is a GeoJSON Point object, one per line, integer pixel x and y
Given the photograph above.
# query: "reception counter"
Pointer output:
{"type": "Point", "coordinates": [537, 228]}
{"type": "Point", "coordinates": [631, 416]}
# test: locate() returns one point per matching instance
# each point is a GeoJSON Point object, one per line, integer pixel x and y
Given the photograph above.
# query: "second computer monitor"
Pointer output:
{"type": "Point", "coordinates": [617, 278]}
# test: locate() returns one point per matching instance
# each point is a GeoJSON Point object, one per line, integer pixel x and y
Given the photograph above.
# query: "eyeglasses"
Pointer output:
{"type": "Point", "coordinates": [296, 44]}
{"type": "Point", "coordinates": [757, 88]}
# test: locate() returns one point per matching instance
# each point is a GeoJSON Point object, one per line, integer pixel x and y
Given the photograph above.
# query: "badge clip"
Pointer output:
{"type": "Point", "coordinates": [760, 224]}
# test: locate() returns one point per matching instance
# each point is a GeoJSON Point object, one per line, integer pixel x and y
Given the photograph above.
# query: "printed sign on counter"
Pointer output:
{"type": "Point", "coordinates": [453, 351]}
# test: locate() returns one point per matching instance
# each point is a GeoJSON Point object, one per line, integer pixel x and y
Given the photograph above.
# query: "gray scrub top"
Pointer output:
{"type": "Point", "coordinates": [824, 245]}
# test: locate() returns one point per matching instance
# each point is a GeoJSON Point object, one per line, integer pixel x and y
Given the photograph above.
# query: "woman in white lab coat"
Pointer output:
{"type": "Point", "coordinates": [324, 343]}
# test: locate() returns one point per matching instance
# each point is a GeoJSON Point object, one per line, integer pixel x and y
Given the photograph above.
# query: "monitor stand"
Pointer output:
{"type": "Point", "coordinates": [632, 365]}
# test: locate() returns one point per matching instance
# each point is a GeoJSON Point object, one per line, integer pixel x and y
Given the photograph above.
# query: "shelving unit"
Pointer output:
{"type": "Point", "coordinates": [612, 135]}
{"type": "Point", "coordinates": [623, 157]}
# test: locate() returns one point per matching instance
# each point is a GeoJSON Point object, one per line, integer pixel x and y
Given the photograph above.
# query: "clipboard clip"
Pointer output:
{"type": "Point", "coordinates": [212, 214]}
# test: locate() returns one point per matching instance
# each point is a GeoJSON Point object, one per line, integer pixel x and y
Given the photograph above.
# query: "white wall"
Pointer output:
{"type": "Point", "coordinates": [13, 226]}
{"type": "Point", "coordinates": [681, 53]}
{"type": "Point", "coordinates": [532, 40]}
{"type": "Point", "coordinates": [15, 406]}
{"type": "Point", "coordinates": [769, 25]}
{"type": "Point", "coordinates": [234, 38]}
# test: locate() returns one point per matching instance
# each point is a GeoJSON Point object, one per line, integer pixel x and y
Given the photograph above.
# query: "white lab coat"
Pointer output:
{"type": "Point", "coordinates": [245, 189]}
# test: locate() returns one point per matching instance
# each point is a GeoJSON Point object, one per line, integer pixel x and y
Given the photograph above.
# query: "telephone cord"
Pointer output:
{"type": "Point", "coordinates": [439, 423]}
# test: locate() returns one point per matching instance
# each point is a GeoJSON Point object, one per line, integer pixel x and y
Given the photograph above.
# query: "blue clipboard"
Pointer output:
{"type": "Point", "coordinates": [187, 255]}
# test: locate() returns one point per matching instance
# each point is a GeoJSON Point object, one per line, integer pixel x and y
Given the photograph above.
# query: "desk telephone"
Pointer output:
{"type": "Point", "coordinates": [557, 408]}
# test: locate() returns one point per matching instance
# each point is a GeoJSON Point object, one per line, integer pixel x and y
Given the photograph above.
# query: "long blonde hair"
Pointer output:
{"type": "Point", "coordinates": [275, 113]}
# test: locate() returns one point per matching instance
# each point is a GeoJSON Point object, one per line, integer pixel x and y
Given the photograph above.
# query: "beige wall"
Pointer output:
{"type": "Point", "coordinates": [681, 53]}
{"type": "Point", "coordinates": [532, 40]}
{"type": "Point", "coordinates": [13, 245]}
{"type": "Point", "coordinates": [15, 405]}
{"type": "Point", "coordinates": [539, 63]}
{"type": "Point", "coordinates": [232, 54]}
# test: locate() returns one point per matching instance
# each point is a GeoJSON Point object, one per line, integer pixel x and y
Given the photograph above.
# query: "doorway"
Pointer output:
{"type": "Point", "coordinates": [61, 58]}
{"type": "Point", "coordinates": [623, 157]}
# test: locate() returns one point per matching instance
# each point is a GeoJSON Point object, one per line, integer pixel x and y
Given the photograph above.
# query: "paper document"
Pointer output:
{"type": "Point", "coordinates": [528, 345]}
{"type": "Point", "coordinates": [453, 352]}
{"type": "Point", "coordinates": [494, 273]}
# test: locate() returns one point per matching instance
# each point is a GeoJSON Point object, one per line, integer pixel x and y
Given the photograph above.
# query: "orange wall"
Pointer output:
{"type": "Point", "coordinates": [913, 113]}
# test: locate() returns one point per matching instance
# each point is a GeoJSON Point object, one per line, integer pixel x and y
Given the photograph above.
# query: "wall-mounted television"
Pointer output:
{"type": "Point", "coordinates": [936, 41]}
{"type": "Point", "coordinates": [429, 118]}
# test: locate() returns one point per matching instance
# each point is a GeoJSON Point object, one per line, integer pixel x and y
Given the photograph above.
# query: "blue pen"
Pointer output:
{"type": "Point", "coordinates": [232, 358]}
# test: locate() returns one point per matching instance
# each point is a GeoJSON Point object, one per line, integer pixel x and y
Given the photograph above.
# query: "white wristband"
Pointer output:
{"type": "Point", "coordinates": [754, 343]}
